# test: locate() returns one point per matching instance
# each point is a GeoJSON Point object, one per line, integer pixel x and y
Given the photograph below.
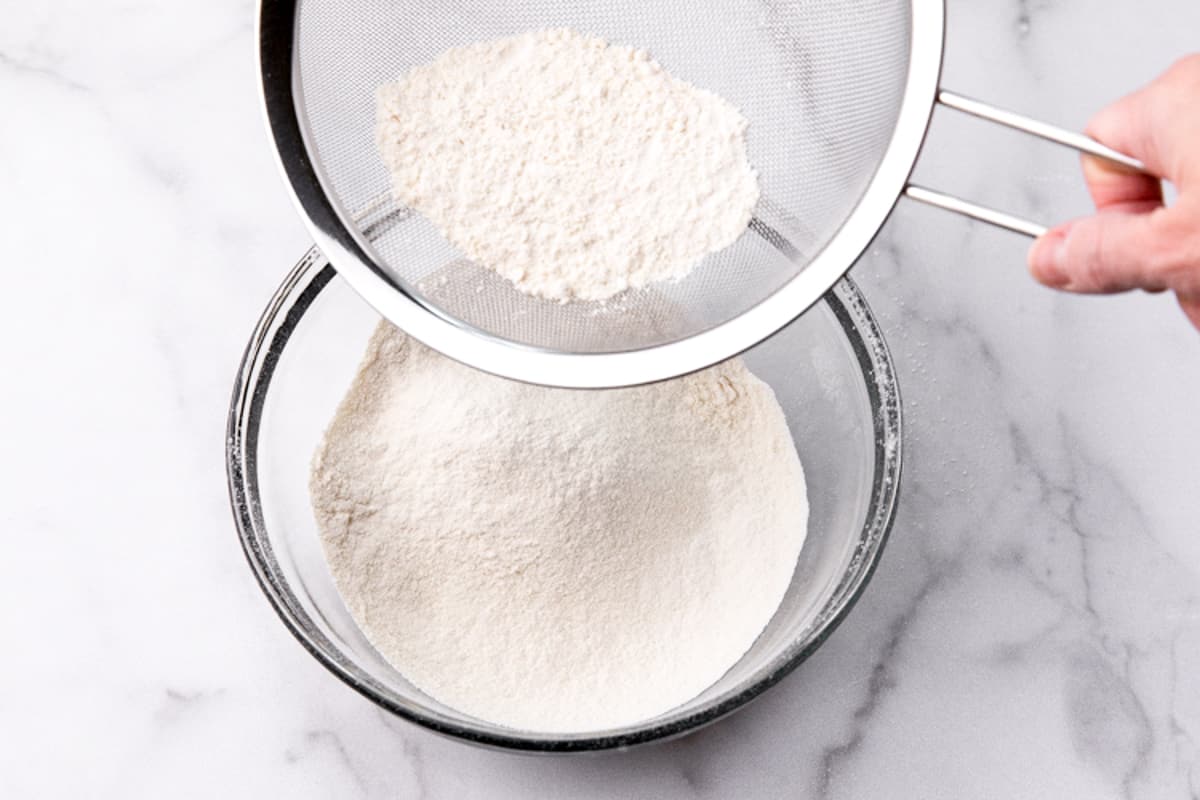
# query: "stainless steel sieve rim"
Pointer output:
{"type": "Point", "coordinates": [332, 234]}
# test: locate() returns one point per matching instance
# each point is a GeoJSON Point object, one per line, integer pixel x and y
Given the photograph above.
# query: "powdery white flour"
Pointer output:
{"type": "Point", "coordinates": [557, 560]}
{"type": "Point", "coordinates": [574, 168]}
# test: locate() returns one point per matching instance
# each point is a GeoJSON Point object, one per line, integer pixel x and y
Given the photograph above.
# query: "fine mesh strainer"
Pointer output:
{"type": "Point", "coordinates": [838, 94]}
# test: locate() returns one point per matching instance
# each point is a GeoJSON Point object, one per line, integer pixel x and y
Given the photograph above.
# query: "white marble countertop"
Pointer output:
{"type": "Point", "coordinates": [1033, 629]}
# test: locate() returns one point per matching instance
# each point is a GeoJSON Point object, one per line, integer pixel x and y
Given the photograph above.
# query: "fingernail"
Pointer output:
{"type": "Point", "coordinates": [1046, 258]}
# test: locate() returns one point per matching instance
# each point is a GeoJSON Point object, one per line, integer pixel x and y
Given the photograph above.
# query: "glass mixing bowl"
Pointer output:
{"type": "Point", "coordinates": [830, 370]}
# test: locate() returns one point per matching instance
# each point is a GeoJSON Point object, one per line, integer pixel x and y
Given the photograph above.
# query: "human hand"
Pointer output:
{"type": "Point", "coordinates": [1134, 241]}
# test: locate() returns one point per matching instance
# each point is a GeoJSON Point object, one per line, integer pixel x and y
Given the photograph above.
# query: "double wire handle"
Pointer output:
{"type": "Point", "coordinates": [1076, 141]}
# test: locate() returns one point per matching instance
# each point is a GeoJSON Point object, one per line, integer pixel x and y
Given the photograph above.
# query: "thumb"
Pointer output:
{"type": "Point", "coordinates": [1111, 252]}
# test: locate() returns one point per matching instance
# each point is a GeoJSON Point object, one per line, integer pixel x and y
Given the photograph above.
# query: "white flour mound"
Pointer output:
{"type": "Point", "coordinates": [574, 168]}
{"type": "Point", "coordinates": [557, 560]}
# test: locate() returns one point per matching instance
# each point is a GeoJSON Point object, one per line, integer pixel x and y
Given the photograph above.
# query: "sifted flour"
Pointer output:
{"type": "Point", "coordinates": [574, 168]}
{"type": "Point", "coordinates": [550, 559]}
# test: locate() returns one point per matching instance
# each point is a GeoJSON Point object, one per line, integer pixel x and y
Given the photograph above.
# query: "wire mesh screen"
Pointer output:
{"type": "Point", "coordinates": [820, 81]}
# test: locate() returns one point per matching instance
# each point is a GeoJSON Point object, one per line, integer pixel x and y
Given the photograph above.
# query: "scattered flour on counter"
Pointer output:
{"type": "Point", "coordinates": [574, 168]}
{"type": "Point", "coordinates": [557, 560]}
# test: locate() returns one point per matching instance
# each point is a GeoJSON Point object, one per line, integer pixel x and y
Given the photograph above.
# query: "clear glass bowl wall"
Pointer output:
{"type": "Point", "coordinates": [830, 370]}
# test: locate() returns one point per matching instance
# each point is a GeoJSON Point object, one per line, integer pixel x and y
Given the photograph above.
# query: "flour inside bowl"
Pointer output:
{"type": "Point", "coordinates": [555, 560]}
{"type": "Point", "coordinates": [574, 168]}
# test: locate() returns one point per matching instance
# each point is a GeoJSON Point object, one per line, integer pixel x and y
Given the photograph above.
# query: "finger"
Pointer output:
{"type": "Point", "coordinates": [1117, 188]}
{"type": "Point", "coordinates": [1127, 126]}
{"type": "Point", "coordinates": [1111, 252]}
{"type": "Point", "coordinates": [1157, 124]}
{"type": "Point", "coordinates": [1130, 126]}
{"type": "Point", "coordinates": [1191, 307]}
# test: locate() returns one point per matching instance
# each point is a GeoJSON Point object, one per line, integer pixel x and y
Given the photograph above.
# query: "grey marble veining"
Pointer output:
{"type": "Point", "coordinates": [1033, 629]}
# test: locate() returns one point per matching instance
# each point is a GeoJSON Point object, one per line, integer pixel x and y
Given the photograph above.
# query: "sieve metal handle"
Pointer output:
{"type": "Point", "coordinates": [1009, 119]}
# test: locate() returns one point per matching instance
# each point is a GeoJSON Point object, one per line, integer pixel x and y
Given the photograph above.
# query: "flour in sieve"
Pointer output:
{"type": "Point", "coordinates": [574, 168]}
{"type": "Point", "coordinates": [550, 559]}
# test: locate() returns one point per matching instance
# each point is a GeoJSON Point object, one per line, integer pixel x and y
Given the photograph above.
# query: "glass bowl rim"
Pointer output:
{"type": "Point", "coordinates": [281, 318]}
